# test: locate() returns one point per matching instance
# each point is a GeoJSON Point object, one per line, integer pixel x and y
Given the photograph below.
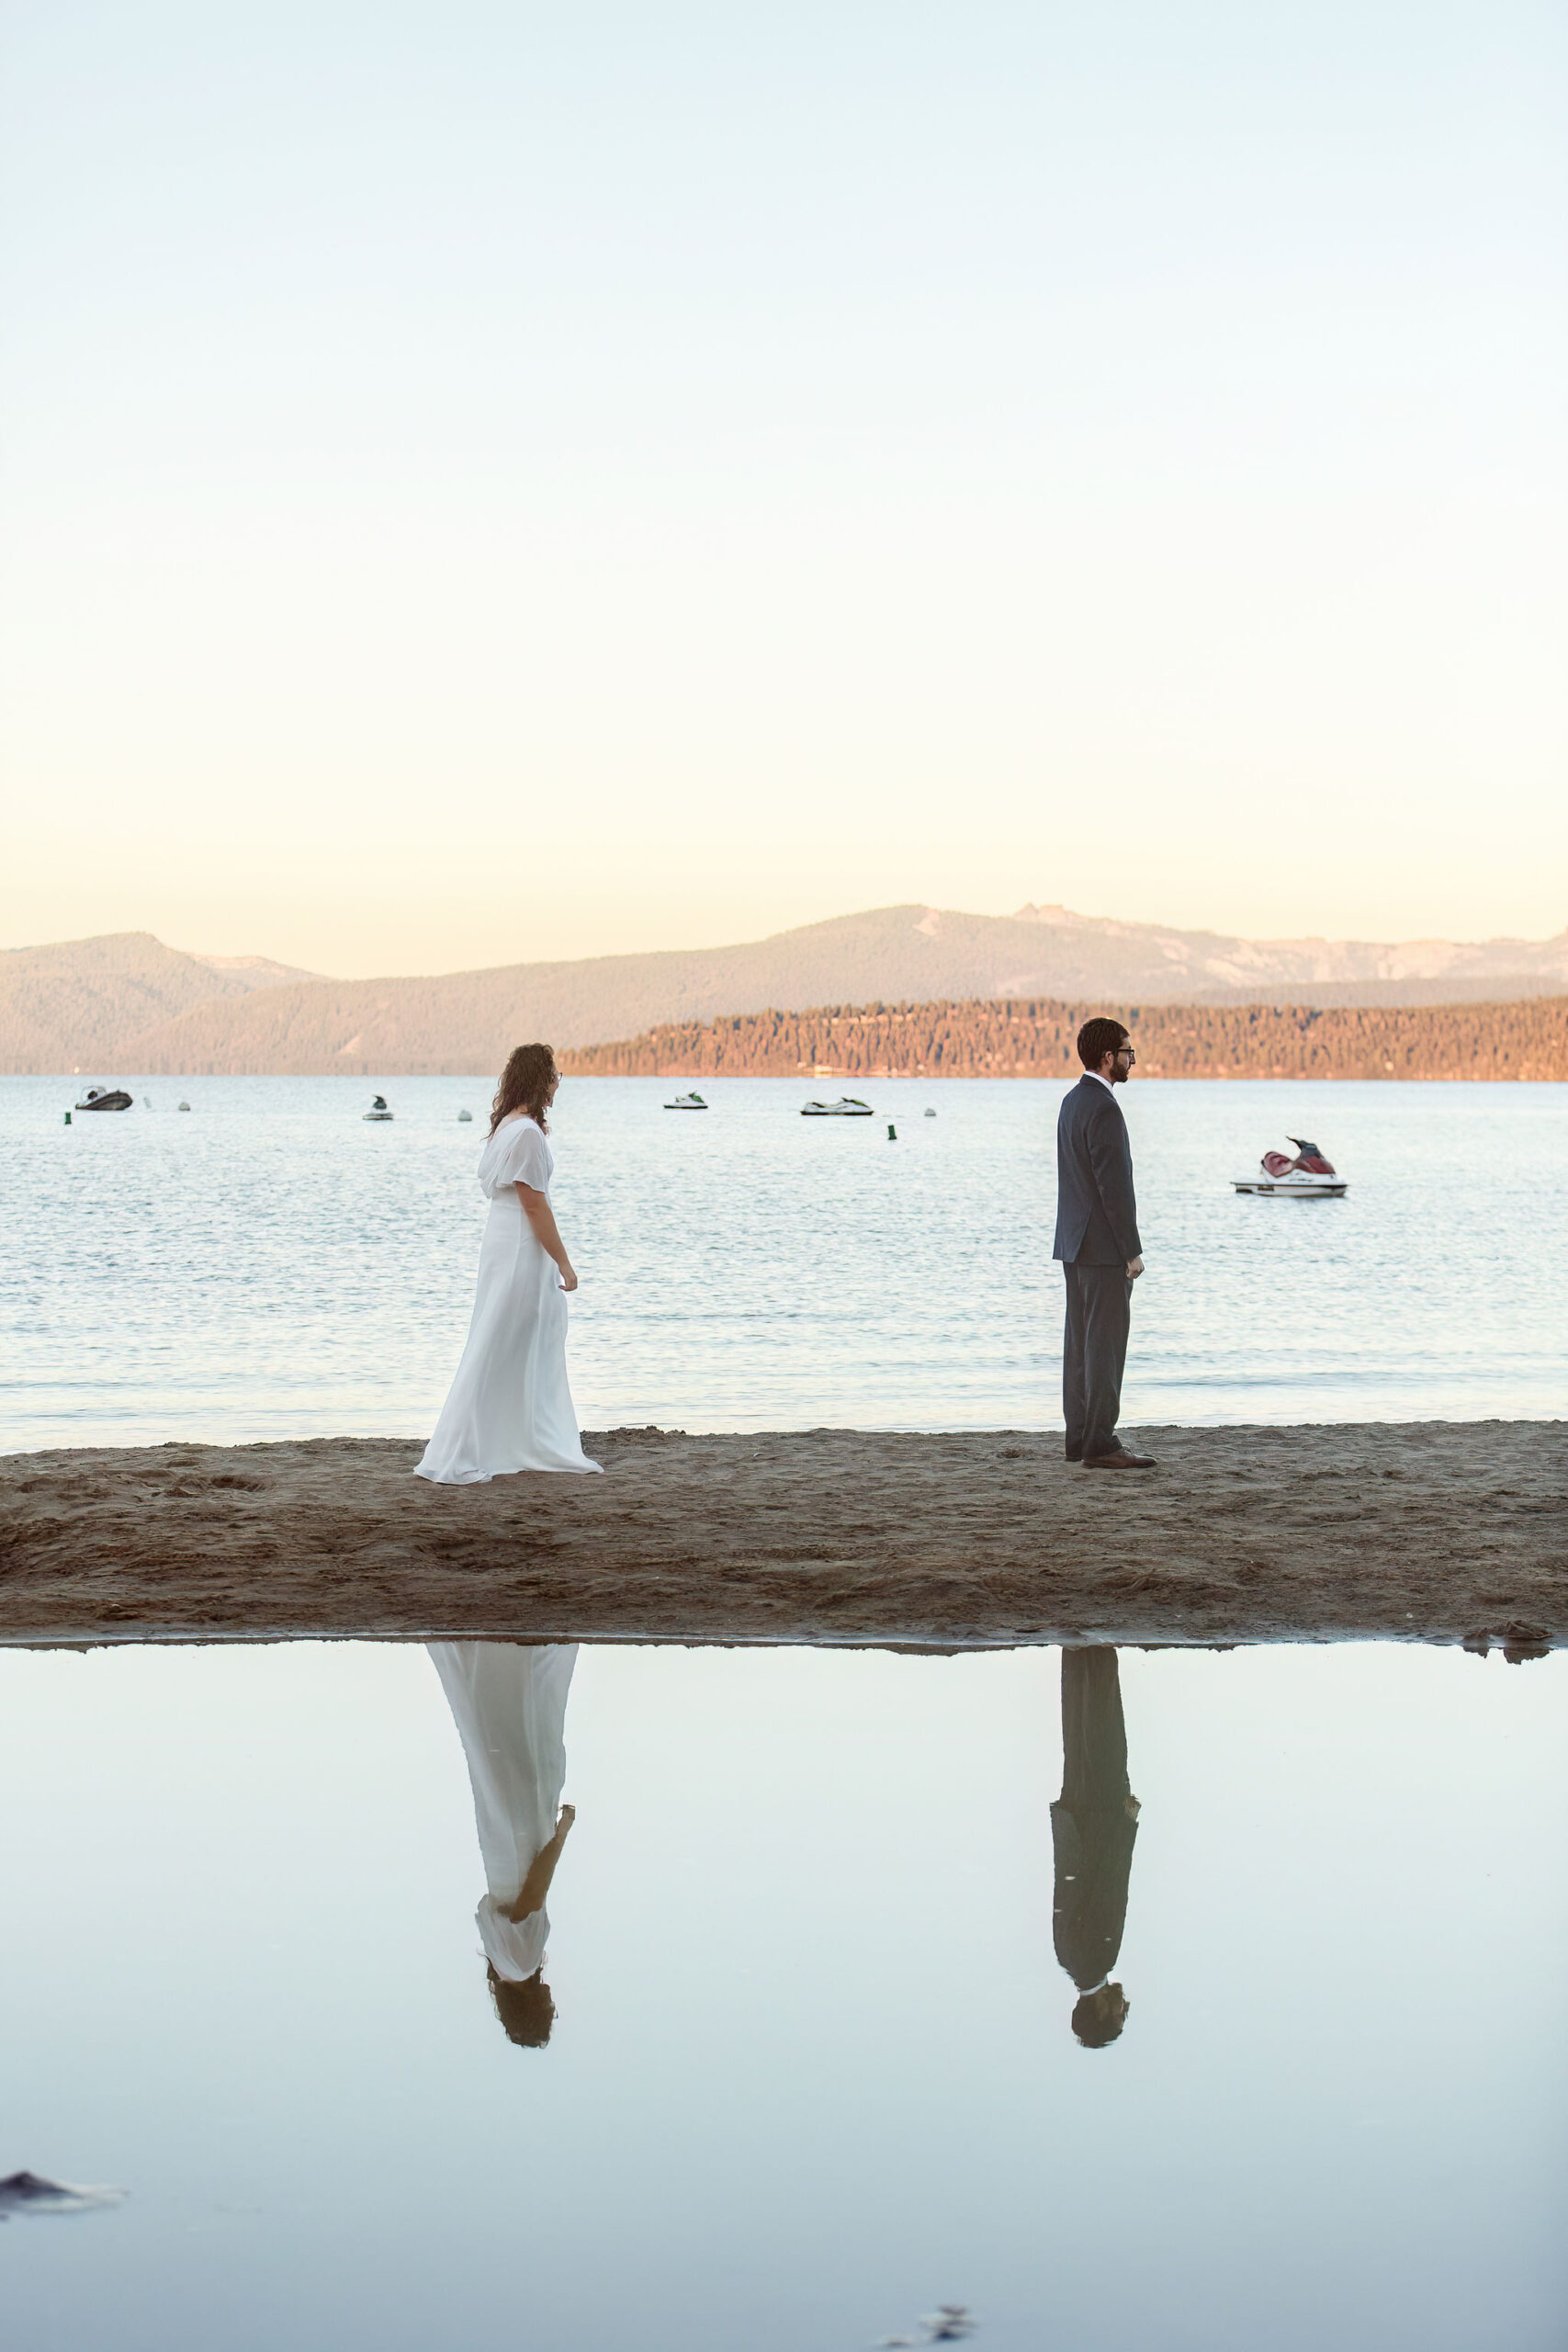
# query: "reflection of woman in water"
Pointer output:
{"type": "Point", "coordinates": [1093, 1826]}
{"type": "Point", "coordinates": [509, 1703]}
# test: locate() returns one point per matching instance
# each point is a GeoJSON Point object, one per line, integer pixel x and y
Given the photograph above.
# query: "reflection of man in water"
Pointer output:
{"type": "Point", "coordinates": [1093, 1826]}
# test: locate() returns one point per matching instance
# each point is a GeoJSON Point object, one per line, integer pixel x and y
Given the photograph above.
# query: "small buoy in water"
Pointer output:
{"type": "Point", "coordinates": [68, 1118]}
{"type": "Point", "coordinates": [930, 1114]}
{"type": "Point", "coordinates": [464, 1118]}
{"type": "Point", "coordinates": [183, 1107]}
{"type": "Point", "coordinates": [892, 1132]}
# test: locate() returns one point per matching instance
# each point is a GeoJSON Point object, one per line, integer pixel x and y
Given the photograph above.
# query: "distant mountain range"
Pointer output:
{"type": "Point", "coordinates": [86, 1002]}
{"type": "Point", "coordinates": [126, 1005]}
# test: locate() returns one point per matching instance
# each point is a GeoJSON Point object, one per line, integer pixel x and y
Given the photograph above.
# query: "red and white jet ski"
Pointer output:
{"type": "Point", "coordinates": [1308, 1177]}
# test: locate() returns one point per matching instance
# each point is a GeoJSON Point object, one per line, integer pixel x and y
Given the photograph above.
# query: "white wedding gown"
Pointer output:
{"type": "Point", "coordinates": [510, 1407]}
{"type": "Point", "coordinates": [509, 1704]}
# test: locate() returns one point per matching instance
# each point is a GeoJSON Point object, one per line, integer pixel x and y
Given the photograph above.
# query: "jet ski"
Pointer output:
{"type": "Point", "coordinates": [1308, 1177]}
{"type": "Point", "coordinates": [692, 1101]}
{"type": "Point", "coordinates": [105, 1098]}
{"type": "Point", "coordinates": [848, 1106]}
{"type": "Point", "coordinates": [377, 1108]}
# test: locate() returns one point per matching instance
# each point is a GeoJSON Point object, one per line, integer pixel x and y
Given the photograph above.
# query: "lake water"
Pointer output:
{"type": "Point", "coordinates": [273, 1266]}
{"type": "Point", "coordinates": [811, 2072]}
{"type": "Point", "coordinates": [270, 1265]}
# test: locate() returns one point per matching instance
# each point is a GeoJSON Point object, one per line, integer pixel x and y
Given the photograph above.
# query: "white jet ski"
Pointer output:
{"type": "Point", "coordinates": [848, 1106]}
{"type": "Point", "coordinates": [692, 1101]}
{"type": "Point", "coordinates": [1308, 1177]}
{"type": "Point", "coordinates": [377, 1108]}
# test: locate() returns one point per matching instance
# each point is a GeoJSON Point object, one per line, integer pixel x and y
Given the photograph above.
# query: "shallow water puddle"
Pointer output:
{"type": "Point", "coordinates": [812, 2072]}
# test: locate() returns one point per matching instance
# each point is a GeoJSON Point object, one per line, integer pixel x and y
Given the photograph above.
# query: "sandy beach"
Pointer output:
{"type": "Point", "coordinates": [1434, 1532]}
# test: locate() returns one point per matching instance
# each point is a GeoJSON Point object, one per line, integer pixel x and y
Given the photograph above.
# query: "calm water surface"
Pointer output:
{"type": "Point", "coordinates": [269, 1265]}
{"type": "Point", "coordinates": [811, 2070]}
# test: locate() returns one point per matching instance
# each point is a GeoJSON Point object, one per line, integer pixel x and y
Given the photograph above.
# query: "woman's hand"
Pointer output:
{"type": "Point", "coordinates": [547, 1232]}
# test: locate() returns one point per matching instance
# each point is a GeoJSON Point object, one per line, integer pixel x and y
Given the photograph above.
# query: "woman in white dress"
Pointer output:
{"type": "Point", "coordinates": [510, 1407]}
{"type": "Point", "coordinates": [509, 1704]}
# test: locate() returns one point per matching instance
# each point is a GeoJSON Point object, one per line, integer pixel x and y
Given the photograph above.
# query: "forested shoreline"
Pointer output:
{"type": "Point", "coordinates": [1032, 1037]}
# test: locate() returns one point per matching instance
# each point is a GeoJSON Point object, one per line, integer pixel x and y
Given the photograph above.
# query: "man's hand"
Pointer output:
{"type": "Point", "coordinates": [1134, 1268]}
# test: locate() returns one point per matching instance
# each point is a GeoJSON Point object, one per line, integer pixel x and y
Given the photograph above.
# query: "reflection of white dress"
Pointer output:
{"type": "Point", "coordinates": [509, 1703]}
{"type": "Point", "coordinates": [510, 1407]}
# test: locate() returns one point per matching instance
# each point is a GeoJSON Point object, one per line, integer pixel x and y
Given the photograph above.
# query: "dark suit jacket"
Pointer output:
{"type": "Point", "coordinates": [1093, 1853]}
{"type": "Point", "coordinates": [1096, 1210]}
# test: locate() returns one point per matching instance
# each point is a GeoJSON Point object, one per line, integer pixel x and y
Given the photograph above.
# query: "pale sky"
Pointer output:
{"type": "Point", "coordinates": [488, 481]}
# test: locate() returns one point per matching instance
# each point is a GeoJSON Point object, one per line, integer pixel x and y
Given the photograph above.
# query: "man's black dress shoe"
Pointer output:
{"type": "Point", "coordinates": [1119, 1460]}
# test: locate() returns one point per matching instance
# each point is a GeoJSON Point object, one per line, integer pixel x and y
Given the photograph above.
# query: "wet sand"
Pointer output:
{"type": "Point", "coordinates": [1435, 1531]}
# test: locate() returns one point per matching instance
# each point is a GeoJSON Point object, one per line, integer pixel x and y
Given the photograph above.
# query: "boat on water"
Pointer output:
{"type": "Point", "coordinates": [105, 1098]}
{"type": "Point", "coordinates": [464, 1118]}
{"type": "Point", "coordinates": [848, 1106]}
{"type": "Point", "coordinates": [1309, 1177]}
{"type": "Point", "coordinates": [692, 1101]}
{"type": "Point", "coordinates": [377, 1108]}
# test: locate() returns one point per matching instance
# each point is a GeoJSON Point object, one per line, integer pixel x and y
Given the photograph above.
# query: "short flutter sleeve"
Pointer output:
{"type": "Point", "coordinates": [515, 1948]}
{"type": "Point", "coordinates": [523, 1158]}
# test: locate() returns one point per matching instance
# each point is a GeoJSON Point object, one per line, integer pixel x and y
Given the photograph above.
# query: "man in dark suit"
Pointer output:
{"type": "Point", "coordinates": [1097, 1241]}
{"type": "Point", "coordinates": [1094, 1825]}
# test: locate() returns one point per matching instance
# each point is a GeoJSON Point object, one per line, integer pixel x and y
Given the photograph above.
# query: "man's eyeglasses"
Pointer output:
{"type": "Point", "coordinates": [1132, 1056]}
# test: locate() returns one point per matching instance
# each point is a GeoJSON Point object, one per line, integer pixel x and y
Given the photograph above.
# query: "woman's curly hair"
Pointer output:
{"type": "Point", "coordinates": [525, 1084]}
{"type": "Point", "coordinates": [527, 2011]}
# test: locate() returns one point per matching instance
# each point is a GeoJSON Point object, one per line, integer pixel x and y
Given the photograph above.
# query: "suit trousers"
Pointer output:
{"type": "Point", "coordinates": [1094, 1732]}
{"type": "Point", "coordinates": [1094, 1355]}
